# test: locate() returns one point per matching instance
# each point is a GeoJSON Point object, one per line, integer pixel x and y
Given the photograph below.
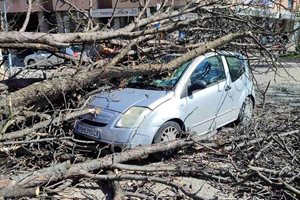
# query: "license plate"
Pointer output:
{"type": "Point", "coordinates": [89, 131]}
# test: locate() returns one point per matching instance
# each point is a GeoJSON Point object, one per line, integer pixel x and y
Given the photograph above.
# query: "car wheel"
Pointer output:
{"type": "Point", "coordinates": [246, 112]}
{"type": "Point", "coordinates": [167, 132]}
{"type": "Point", "coordinates": [32, 64]}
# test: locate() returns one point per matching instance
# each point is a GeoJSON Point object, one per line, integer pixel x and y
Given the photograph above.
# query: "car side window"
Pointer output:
{"type": "Point", "coordinates": [69, 51]}
{"type": "Point", "coordinates": [210, 70]}
{"type": "Point", "coordinates": [236, 67]}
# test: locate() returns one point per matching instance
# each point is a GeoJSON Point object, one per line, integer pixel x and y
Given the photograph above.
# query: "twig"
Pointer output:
{"type": "Point", "coordinates": [137, 195]}
{"type": "Point", "coordinates": [60, 186]}
{"type": "Point", "coordinates": [34, 141]}
{"type": "Point", "coordinates": [260, 152]}
{"type": "Point", "coordinates": [27, 16]}
{"type": "Point", "coordinates": [254, 141]}
{"type": "Point", "coordinates": [117, 189]}
{"type": "Point", "coordinates": [211, 174]}
{"type": "Point", "coordinates": [270, 171]}
{"type": "Point", "coordinates": [144, 178]}
{"type": "Point", "coordinates": [284, 147]}
{"type": "Point", "coordinates": [282, 184]}
{"type": "Point", "coordinates": [43, 124]}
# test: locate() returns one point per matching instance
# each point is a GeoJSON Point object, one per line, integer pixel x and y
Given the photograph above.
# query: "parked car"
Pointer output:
{"type": "Point", "coordinates": [45, 58]}
{"type": "Point", "coordinates": [200, 96]}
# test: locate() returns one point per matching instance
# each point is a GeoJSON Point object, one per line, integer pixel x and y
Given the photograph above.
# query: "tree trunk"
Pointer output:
{"type": "Point", "coordinates": [18, 192]}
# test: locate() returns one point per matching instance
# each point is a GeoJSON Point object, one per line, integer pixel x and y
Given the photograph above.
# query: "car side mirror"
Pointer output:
{"type": "Point", "coordinates": [197, 85]}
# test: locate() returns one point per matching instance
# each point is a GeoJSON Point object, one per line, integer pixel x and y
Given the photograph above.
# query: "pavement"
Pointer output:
{"type": "Point", "coordinates": [284, 83]}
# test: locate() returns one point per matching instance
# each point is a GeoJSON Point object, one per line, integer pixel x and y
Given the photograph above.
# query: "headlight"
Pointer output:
{"type": "Point", "coordinates": [133, 117]}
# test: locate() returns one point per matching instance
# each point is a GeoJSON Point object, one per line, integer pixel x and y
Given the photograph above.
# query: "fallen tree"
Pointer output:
{"type": "Point", "coordinates": [84, 79]}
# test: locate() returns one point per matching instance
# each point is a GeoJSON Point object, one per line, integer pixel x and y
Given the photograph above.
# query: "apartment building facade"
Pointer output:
{"type": "Point", "coordinates": [46, 15]}
{"type": "Point", "coordinates": [54, 16]}
{"type": "Point", "coordinates": [125, 10]}
{"type": "Point", "coordinates": [282, 17]}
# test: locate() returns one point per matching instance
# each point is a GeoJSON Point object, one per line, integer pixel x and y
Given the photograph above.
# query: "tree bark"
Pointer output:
{"type": "Point", "coordinates": [14, 84]}
{"type": "Point", "coordinates": [18, 192]}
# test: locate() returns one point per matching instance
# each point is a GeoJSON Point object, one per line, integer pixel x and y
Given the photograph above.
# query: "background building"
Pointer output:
{"type": "Point", "coordinates": [47, 15]}
{"type": "Point", "coordinates": [126, 10]}
{"type": "Point", "coordinates": [282, 18]}
{"type": "Point", "coordinates": [53, 16]}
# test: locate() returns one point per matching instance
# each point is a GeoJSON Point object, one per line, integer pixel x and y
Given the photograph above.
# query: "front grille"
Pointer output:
{"type": "Point", "coordinates": [93, 123]}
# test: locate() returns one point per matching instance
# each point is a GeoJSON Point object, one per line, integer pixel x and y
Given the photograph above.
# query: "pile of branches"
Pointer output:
{"type": "Point", "coordinates": [260, 160]}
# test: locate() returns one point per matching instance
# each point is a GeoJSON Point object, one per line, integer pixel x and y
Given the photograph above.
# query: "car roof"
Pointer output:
{"type": "Point", "coordinates": [230, 53]}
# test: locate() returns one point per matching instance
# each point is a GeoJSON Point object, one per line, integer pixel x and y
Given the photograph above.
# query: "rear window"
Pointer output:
{"type": "Point", "coordinates": [236, 67]}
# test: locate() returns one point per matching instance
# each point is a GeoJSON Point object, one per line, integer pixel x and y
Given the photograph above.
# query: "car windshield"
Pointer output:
{"type": "Point", "coordinates": [166, 80]}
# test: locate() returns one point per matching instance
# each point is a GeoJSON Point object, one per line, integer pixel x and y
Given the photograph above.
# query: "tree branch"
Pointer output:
{"type": "Point", "coordinates": [27, 16]}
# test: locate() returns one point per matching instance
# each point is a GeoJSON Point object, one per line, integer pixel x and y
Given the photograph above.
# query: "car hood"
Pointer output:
{"type": "Point", "coordinates": [122, 100]}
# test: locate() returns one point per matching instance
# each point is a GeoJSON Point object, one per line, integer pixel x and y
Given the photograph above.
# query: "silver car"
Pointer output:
{"type": "Point", "coordinates": [45, 58]}
{"type": "Point", "coordinates": [200, 96]}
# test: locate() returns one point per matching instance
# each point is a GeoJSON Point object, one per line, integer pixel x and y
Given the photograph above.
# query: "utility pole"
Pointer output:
{"type": "Point", "coordinates": [5, 23]}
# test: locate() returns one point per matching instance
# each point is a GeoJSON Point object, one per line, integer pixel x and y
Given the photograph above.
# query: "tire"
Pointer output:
{"type": "Point", "coordinates": [167, 132]}
{"type": "Point", "coordinates": [246, 112]}
{"type": "Point", "coordinates": [31, 63]}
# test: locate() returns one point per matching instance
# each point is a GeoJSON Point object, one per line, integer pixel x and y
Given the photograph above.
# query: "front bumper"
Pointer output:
{"type": "Point", "coordinates": [116, 138]}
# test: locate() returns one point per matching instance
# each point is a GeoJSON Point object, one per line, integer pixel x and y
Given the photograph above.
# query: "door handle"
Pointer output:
{"type": "Point", "coordinates": [227, 88]}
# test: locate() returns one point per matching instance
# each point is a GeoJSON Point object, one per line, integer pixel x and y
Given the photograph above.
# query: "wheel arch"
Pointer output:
{"type": "Point", "coordinates": [252, 99]}
{"type": "Point", "coordinates": [176, 120]}
{"type": "Point", "coordinates": [30, 59]}
{"type": "Point", "coordinates": [179, 122]}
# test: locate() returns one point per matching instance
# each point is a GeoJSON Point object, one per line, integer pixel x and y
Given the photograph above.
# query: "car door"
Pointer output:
{"type": "Point", "coordinates": [44, 58]}
{"type": "Point", "coordinates": [53, 59]}
{"type": "Point", "coordinates": [40, 58]}
{"type": "Point", "coordinates": [204, 105]}
{"type": "Point", "coordinates": [56, 60]}
{"type": "Point", "coordinates": [238, 83]}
